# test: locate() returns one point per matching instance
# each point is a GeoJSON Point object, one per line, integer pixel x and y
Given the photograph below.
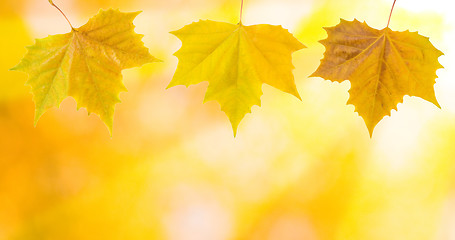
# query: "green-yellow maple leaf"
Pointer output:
{"type": "Point", "coordinates": [85, 64]}
{"type": "Point", "coordinates": [236, 60]}
{"type": "Point", "coordinates": [382, 66]}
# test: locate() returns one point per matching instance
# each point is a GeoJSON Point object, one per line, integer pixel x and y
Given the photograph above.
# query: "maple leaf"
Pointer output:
{"type": "Point", "coordinates": [236, 60]}
{"type": "Point", "coordinates": [382, 66]}
{"type": "Point", "coordinates": [85, 64]}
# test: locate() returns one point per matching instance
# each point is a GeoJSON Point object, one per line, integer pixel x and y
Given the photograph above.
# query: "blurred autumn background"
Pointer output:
{"type": "Point", "coordinates": [297, 170]}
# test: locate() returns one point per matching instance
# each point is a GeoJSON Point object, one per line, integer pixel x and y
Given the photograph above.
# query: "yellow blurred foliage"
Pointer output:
{"type": "Point", "coordinates": [12, 84]}
{"type": "Point", "coordinates": [298, 170]}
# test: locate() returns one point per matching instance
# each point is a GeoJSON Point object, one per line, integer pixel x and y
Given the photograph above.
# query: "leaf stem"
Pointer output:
{"type": "Point", "coordinates": [391, 10]}
{"type": "Point", "coordinates": [52, 3]}
{"type": "Point", "coordinates": [241, 12]}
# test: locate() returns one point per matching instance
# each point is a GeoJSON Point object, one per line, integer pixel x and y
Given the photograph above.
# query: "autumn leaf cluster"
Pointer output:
{"type": "Point", "coordinates": [235, 59]}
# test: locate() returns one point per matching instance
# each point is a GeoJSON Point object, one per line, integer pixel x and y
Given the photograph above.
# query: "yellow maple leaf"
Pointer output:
{"type": "Point", "coordinates": [236, 60]}
{"type": "Point", "coordinates": [85, 64]}
{"type": "Point", "coordinates": [382, 66]}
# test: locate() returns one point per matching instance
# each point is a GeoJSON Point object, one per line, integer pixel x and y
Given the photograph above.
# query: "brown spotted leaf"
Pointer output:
{"type": "Point", "coordinates": [382, 66]}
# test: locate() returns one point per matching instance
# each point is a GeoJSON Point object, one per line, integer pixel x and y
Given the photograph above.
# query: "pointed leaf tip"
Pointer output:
{"type": "Point", "coordinates": [234, 130]}
{"type": "Point", "coordinates": [370, 131]}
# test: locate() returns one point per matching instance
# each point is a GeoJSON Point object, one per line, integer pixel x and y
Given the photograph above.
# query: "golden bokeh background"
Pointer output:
{"type": "Point", "coordinates": [297, 170]}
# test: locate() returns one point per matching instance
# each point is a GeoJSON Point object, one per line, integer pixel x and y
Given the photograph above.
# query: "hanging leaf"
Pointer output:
{"type": "Point", "coordinates": [85, 64]}
{"type": "Point", "coordinates": [236, 60]}
{"type": "Point", "coordinates": [382, 66]}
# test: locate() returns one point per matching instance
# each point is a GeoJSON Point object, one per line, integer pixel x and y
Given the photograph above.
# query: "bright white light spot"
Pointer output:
{"type": "Point", "coordinates": [424, 5]}
{"type": "Point", "coordinates": [286, 13]}
{"type": "Point", "coordinates": [196, 214]}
